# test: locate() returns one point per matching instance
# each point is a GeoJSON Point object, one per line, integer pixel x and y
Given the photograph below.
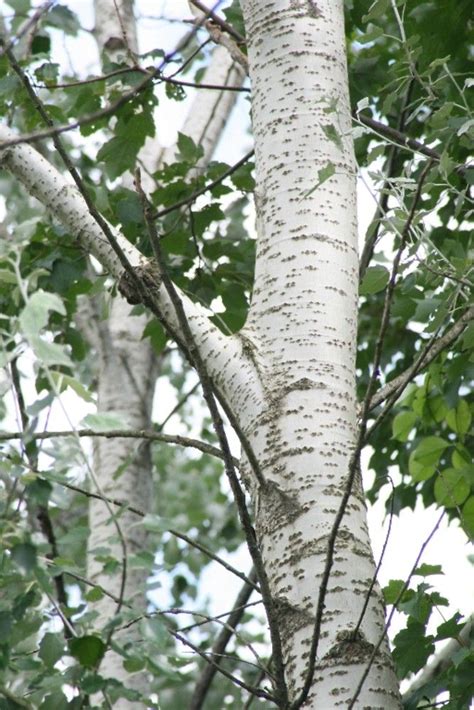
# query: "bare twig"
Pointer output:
{"type": "Point", "coordinates": [401, 139]}
{"type": "Point", "coordinates": [254, 691]}
{"type": "Point", "coordinates": [435, 347]}
{"type": "Point", "coordinates": [204, 681]}
{"type": "Point", "coordinates": [219, 21]}
{"type": "Point", "coordinates": [189, 200]}
{"type": "Point", "coordinates": [140, 513]}
{"type": "Point", "coordinates": [149, 435]}
{"type": "Point", "coordinates": [392, 612]}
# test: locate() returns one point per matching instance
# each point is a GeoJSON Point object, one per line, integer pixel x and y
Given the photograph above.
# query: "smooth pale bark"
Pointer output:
{"type": "Point", "coordinates": [302, 327]}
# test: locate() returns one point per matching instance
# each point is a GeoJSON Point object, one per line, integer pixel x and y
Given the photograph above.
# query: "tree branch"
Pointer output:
{"type": "Point", "coordinates": [398, 384]}
{"type": "Point", "coordinates": [122, 434]}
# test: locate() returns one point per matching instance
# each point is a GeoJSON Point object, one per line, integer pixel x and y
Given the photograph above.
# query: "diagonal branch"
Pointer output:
{"type": "Point", "coordinates": [398, 384]}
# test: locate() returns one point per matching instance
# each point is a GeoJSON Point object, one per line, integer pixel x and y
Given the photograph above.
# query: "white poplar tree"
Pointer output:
{"type": "Point", "coordinates": [286, 381]}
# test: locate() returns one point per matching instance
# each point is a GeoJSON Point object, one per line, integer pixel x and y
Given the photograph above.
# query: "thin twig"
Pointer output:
{"type": "Point", "coordinates": [149, 435]}
{"type": "Point", "coordinates": [379, 564]}
{"type": "Point", "coordinates": [237, 681]}
{"type": "Point", "coordinates": [433, 349]}
{"type": "Point", "coordinates": [219, 21]}
{"type": "Point", "coordinates": [401, 139]}
{"type": "Point", "coordinates": [140, 513]}
{"type": "Point", "coordinates": [392, 612]}
{"type": "Point", "coordinates": [204, 681]}
{"type": "Point", "coordinates": [189, 200]}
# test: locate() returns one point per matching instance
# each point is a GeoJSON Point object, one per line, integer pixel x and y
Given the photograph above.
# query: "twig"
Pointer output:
{"type": "Point", "coordinates": [204, 682]}
{"type": "Point", "coordinates": [210, 660]}
{"type": "Point", "coordinates": [402, 140]}
{"type": "Point", "coordinates": [379, 564]}
{"type": "Point", "coordinates": [140, 513]}
{"type": "Point", "coordinates": [392, 612]}
{"type": "Point", "coordinates": [177, 407]}
{"type": "Point", "coordinates": [437, 345]}
{"type": "Point", "coordinates": [150, 435]}
{"type": "Point", "coordinates": [219, 21]}
{"type": "Point", "coordinates": [188, 200]}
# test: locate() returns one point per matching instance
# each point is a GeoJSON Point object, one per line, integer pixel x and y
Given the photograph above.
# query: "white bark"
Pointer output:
{"type": "Point", "coordinates": [126, 377]}
{"type": "Point", "coordinates": [115, 28]}
{"type": "Point", "coordinates": [302, 324]}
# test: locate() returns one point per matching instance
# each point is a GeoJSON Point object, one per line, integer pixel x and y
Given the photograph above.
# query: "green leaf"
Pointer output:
{"type": "Point", "coordinates": [61, 17]}
{"type": "Point", "coordinates": [467, 517]}
{"type": "Point", "coordinates": [333, 135]}
{"type": "Point", "coordinates": [451, 488]}
{"type": "Point", "coordinates": [94, 594]}
{"type": "Point", "coordinates": [55, 701]}
{"type": "Point", "coordinates": [468, 336]}
{"type": "Point", "coordinates": [155, 523]}
{"type": "Point", "coordinates": [50, 353]}
{"type": "Point", "coordinates": [104, 422]}
{"type": "Point", "coordinates": [424, 459]}
{"type": "Point", "coordinates": [63, 381]}
{"type": "Point", "coordinates": [154, 331]}
{"type": "Point", "coordinates": [403, 424]}
{"type": "Point", "coordinates": [323, 174]}
{"type": "Point", "coordinates": [425, 570]}
{"type": "Point", "coordinates": [35, 314]}
{"type": "Point", "coordinates": [51, 649]}
{"type": "Point", "coordinates": [88, 650]}
{"type": "Point", "coordinates": [375, 280]}
{"type": "Point", "coordinates": [134, 664]}
{"type": "Point", "coordinates": [188, 150]}
{"type": "Point", "coordinates": [6, 623]}
{"type": "Point", "coordinates": [459, 419]}
{"type": "Point", "coordinates": [392, 591]}
{"type": "Point", "coordinates": [412, 648]}
{"type": "Point", "coordinates": [24, 554]}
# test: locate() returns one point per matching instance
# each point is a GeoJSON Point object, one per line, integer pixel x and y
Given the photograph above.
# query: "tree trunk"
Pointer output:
{"type": "Point", "coordinates": [302, 331]}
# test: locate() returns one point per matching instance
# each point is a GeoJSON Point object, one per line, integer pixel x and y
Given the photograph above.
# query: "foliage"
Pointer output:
{"type": "Point", "coordinates": [416, 82]}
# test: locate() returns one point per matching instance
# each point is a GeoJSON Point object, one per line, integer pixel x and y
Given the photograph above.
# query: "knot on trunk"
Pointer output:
{"type": "Point", "coordinates": [143, 286]}
{"type": "Point", "coordinates": [351, 647]}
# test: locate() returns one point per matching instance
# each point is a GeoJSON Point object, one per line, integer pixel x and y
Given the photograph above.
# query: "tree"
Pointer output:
{"type": "Point", "coordinates": [110, 270]}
